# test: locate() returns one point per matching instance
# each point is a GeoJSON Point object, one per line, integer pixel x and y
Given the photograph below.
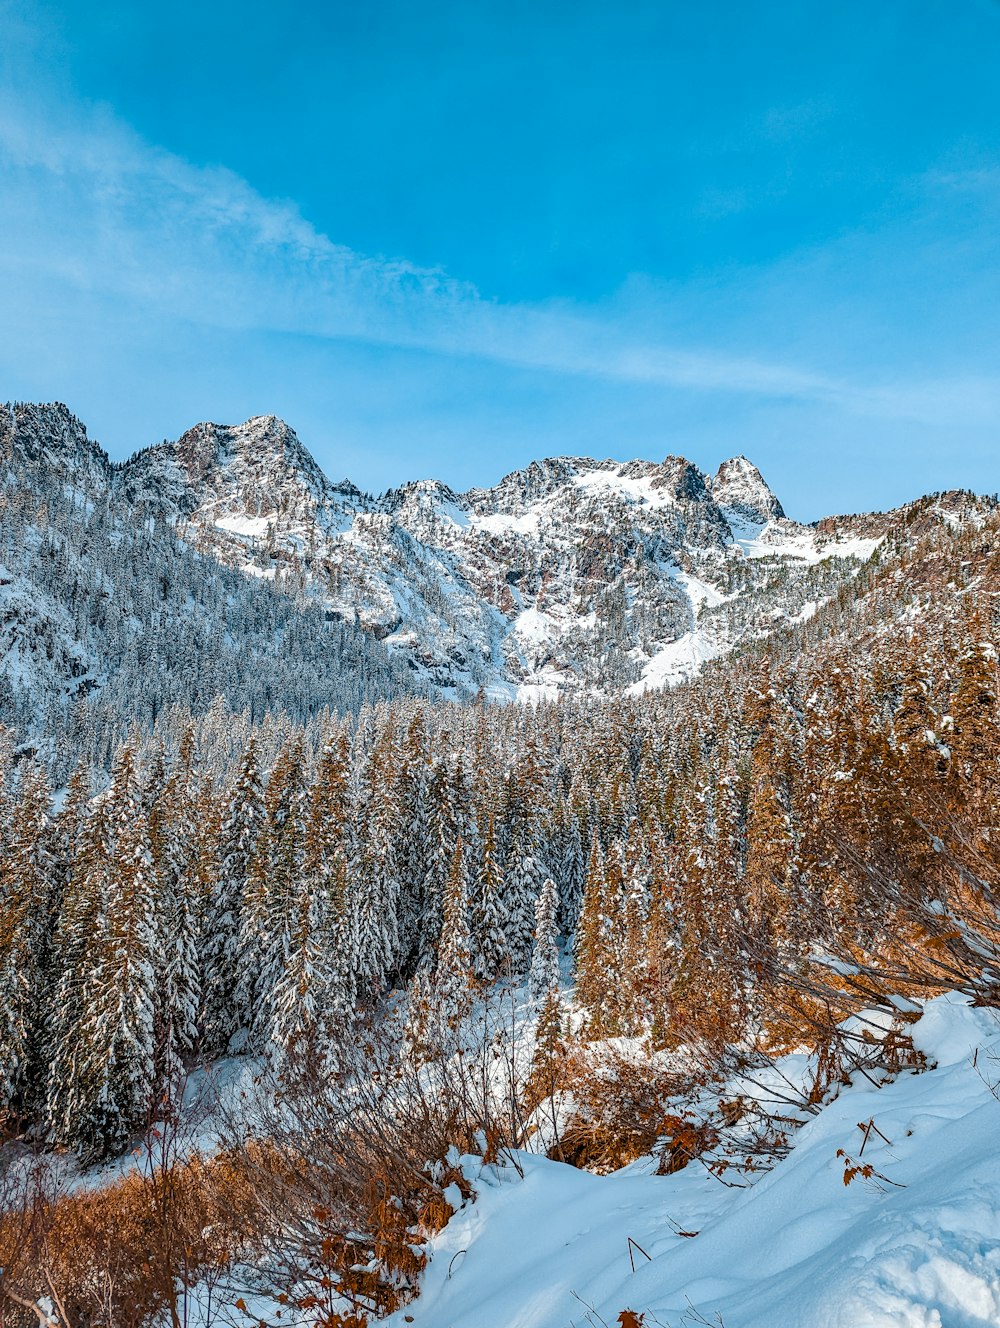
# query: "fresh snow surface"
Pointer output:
{"type": "Point", "coordinates": [535, 627]}
{"type": "Point", "coordinates": [253, 526]}
{"type": "Point", "coordinates": [499, 523]}
{"type": "Point", "coordinates": [699, 592]}
{"type": "Point", "coordinates": [680, 659]}
{"type": "Point", "coordinates": [797, 1249]}
{"type": "Point", "coordinates": [534, 693]}
{"type": "Point", "coordinates": [786, 539]}
{"type": "Point", "coordinates": [637, 489]}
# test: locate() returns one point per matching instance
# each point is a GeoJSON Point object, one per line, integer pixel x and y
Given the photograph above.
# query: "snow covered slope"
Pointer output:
{"type": "Point", "coordinates": [919, 1248]}
{"type": "Point", "coordinates": [572, 574]}
{"type": "Point", "coordinates": [107, 617]}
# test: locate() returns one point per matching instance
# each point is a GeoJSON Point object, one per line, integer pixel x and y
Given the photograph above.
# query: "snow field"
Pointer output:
{"type": "Point", "coordinates": [798, 1248]}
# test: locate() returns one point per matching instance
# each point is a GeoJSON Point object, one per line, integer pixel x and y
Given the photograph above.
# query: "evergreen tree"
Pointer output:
{"type": "Point", "coordinates": [594, 960]}
{"type": "Point", "coordinates": [492, 920]}
{"type": "Point", "coordinates": [524, 876]}
{"type": "Point", "coordinates": [634, 962]}
{"type": "Point", "coordinates": [223, 955]}
{"type": "Point", "coordinates": [302, 992]}
{"type": "Point", "coordinates": [546, 1059]}
{"type": "Point", "coordinates": [328, 834]}
{"type": "Point", "coordinates": [573, 875]}
{"type": "Point", "coordinates": [117, 1056]}
{"type": "Point", "coordinates": [544, 973]}
{"type": "Point", "coordinates": [86, 840]}
{"type": "Point", "coordinates": [282, 901]}
{"type": "Point", "coordinates": [173, 842]}
{"type": "Point", "coordinates": [453, 976]}
{"type": "Point", "coordinates": [375, 875]}
{"type": "Point", "coordinates": [26, 923]}
{"type": "Point", "coordinates": [415, 851]}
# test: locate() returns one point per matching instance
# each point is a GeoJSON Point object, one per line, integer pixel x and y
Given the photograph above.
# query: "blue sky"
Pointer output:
{"type": "Point", "coordinates": [443, 239]}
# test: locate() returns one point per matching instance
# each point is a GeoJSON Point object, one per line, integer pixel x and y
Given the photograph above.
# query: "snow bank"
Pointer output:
{"type": "Point", "coordinates": [919, 1248]}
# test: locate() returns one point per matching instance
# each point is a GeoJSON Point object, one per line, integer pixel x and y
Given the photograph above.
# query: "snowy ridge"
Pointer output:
{"type": "Point", "coordinates": [50, 437]}
{"type": "Point", "coordinates": [571, 575]}
{"type": "Point", "coordinates": [916, 1245]}
{"type": "Point", "coordinates": [739, 487]}
{"type": "Point", "coordinates": [106, 616]}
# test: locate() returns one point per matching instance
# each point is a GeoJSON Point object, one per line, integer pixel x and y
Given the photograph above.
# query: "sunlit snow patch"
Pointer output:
{"type": "Point", "coordinates": [796, 1249]}
{"type": "Point", "coordinates": [680, 659]}
{"type": "Point", "coordinates": [787, 539]}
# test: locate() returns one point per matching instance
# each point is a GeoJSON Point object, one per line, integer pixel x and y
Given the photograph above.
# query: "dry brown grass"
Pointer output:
{"type": "Point", "coordinates": [324, 1203]}
{"type": "Point", "coordinates": [112, 1257]}
{"type": "Point", "coordinates": [117, 1256]}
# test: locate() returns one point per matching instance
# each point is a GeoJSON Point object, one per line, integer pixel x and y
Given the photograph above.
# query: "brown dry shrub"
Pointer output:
{"type": "Point", "coordinates": [619, 1105]}
{"type": "Point", "coordinates": [111, 1255]}
{"type": "Point", "coordinates": [682, 1140]}
{"type": "Point", "coordinates": [355, 1174]}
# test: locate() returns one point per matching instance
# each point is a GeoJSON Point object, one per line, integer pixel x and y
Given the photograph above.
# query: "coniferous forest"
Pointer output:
{"type": "Point", "coordinates": [474, 854]}
{"type": "Point", "coordinates": [238, 835]}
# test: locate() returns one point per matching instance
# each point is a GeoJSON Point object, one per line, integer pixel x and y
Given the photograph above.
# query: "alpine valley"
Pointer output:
{"type": "Point", "coordinates": [570, 902]}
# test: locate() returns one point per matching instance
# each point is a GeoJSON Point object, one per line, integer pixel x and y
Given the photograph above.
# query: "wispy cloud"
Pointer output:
{"type": "Point", "coordinates": [88, 206]}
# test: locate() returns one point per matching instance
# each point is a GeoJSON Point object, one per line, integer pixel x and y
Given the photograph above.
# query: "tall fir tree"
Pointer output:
{"type": "Point", "coordinates": [283, 911]}
{"type": "Point", "coordinates": [87, 867]}
{"type": "Point", "coordinates": [594, 958]}
{"type": "Point", "coordinates": [492, 915]}
{"type": "Point", "coordinates": [544, 972]}
{"type": "Point", "coordinates": [573, 874]}
{"type": "Point", "coordinates": [119, 1088]}
{"type": "Point", "coordinates": [174, 834]}
{"type": "Point", "coordinates": [453, 975]}
{"type": "Point", "coordinates": [524, 875]}
{"type": "Point", "coordinates": [327, 854]}
{"type": "Point", "coordinates": [374, 872]}
{"type": "Point", "coordinates": [26, 925]}
{"type": "Point", "coordinates": [223, 955]}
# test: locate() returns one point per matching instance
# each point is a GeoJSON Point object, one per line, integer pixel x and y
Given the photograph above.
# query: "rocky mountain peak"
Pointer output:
{"type": "Point", "coordinates": [417, 495]}
{"type": "Point", "coordinates": [739, 486]}
{"type": "Point", "coordinates": [264, 447]}
{"type": "Point", "coordinates": [569, 574]}
{"type": "Point", "coordinates": [529, 485]}
{"type": "Point", "coordinates": [233, 470]}
{"type": "Point", "coordinates": [50, 435]}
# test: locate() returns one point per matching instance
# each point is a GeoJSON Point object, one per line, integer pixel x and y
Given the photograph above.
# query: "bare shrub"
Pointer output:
{"type": "Point", "coordinates": [620, 1100]}
{"type": "Point", "coordinates": [354, 1170]}
{"type": "Point", "coordinates": [117, 1255]}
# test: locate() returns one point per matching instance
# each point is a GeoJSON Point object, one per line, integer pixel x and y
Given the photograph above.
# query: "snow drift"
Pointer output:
{"type": "Point", "coordinates": [915, 1245]}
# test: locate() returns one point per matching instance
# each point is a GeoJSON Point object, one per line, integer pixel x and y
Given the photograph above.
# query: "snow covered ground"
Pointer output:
{"type": "Point", "coordinates": [680, 660]}
{"type": "Point", "coordinates": [919, 1248]}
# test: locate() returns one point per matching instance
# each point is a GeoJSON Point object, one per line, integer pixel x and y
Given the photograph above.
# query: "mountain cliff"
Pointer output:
{"type": "Point", "coordinates": [572, 574]}
{"type": "Point", "coordinates": [109, 617]}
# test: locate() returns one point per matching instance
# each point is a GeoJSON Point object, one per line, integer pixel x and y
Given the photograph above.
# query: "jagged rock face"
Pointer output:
{"type": "Point", "coordinates": [50, 436]}
{"type": "Point", "coordinates": [572, 574]}
{"type": "Point", "coordinates": [739, 487]}
{"type": "Point", "coordinates": [109, 618]}
{"type": "Point", "coordinates": [569, 574]}
{"type": "Point", "coordinates": [253, 472]}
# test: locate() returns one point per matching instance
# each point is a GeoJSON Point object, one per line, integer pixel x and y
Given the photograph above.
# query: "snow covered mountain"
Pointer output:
{"type": "Point", "coordinates": [573, 574]}
{"type": "Point", "coordinates": [107, 617]}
